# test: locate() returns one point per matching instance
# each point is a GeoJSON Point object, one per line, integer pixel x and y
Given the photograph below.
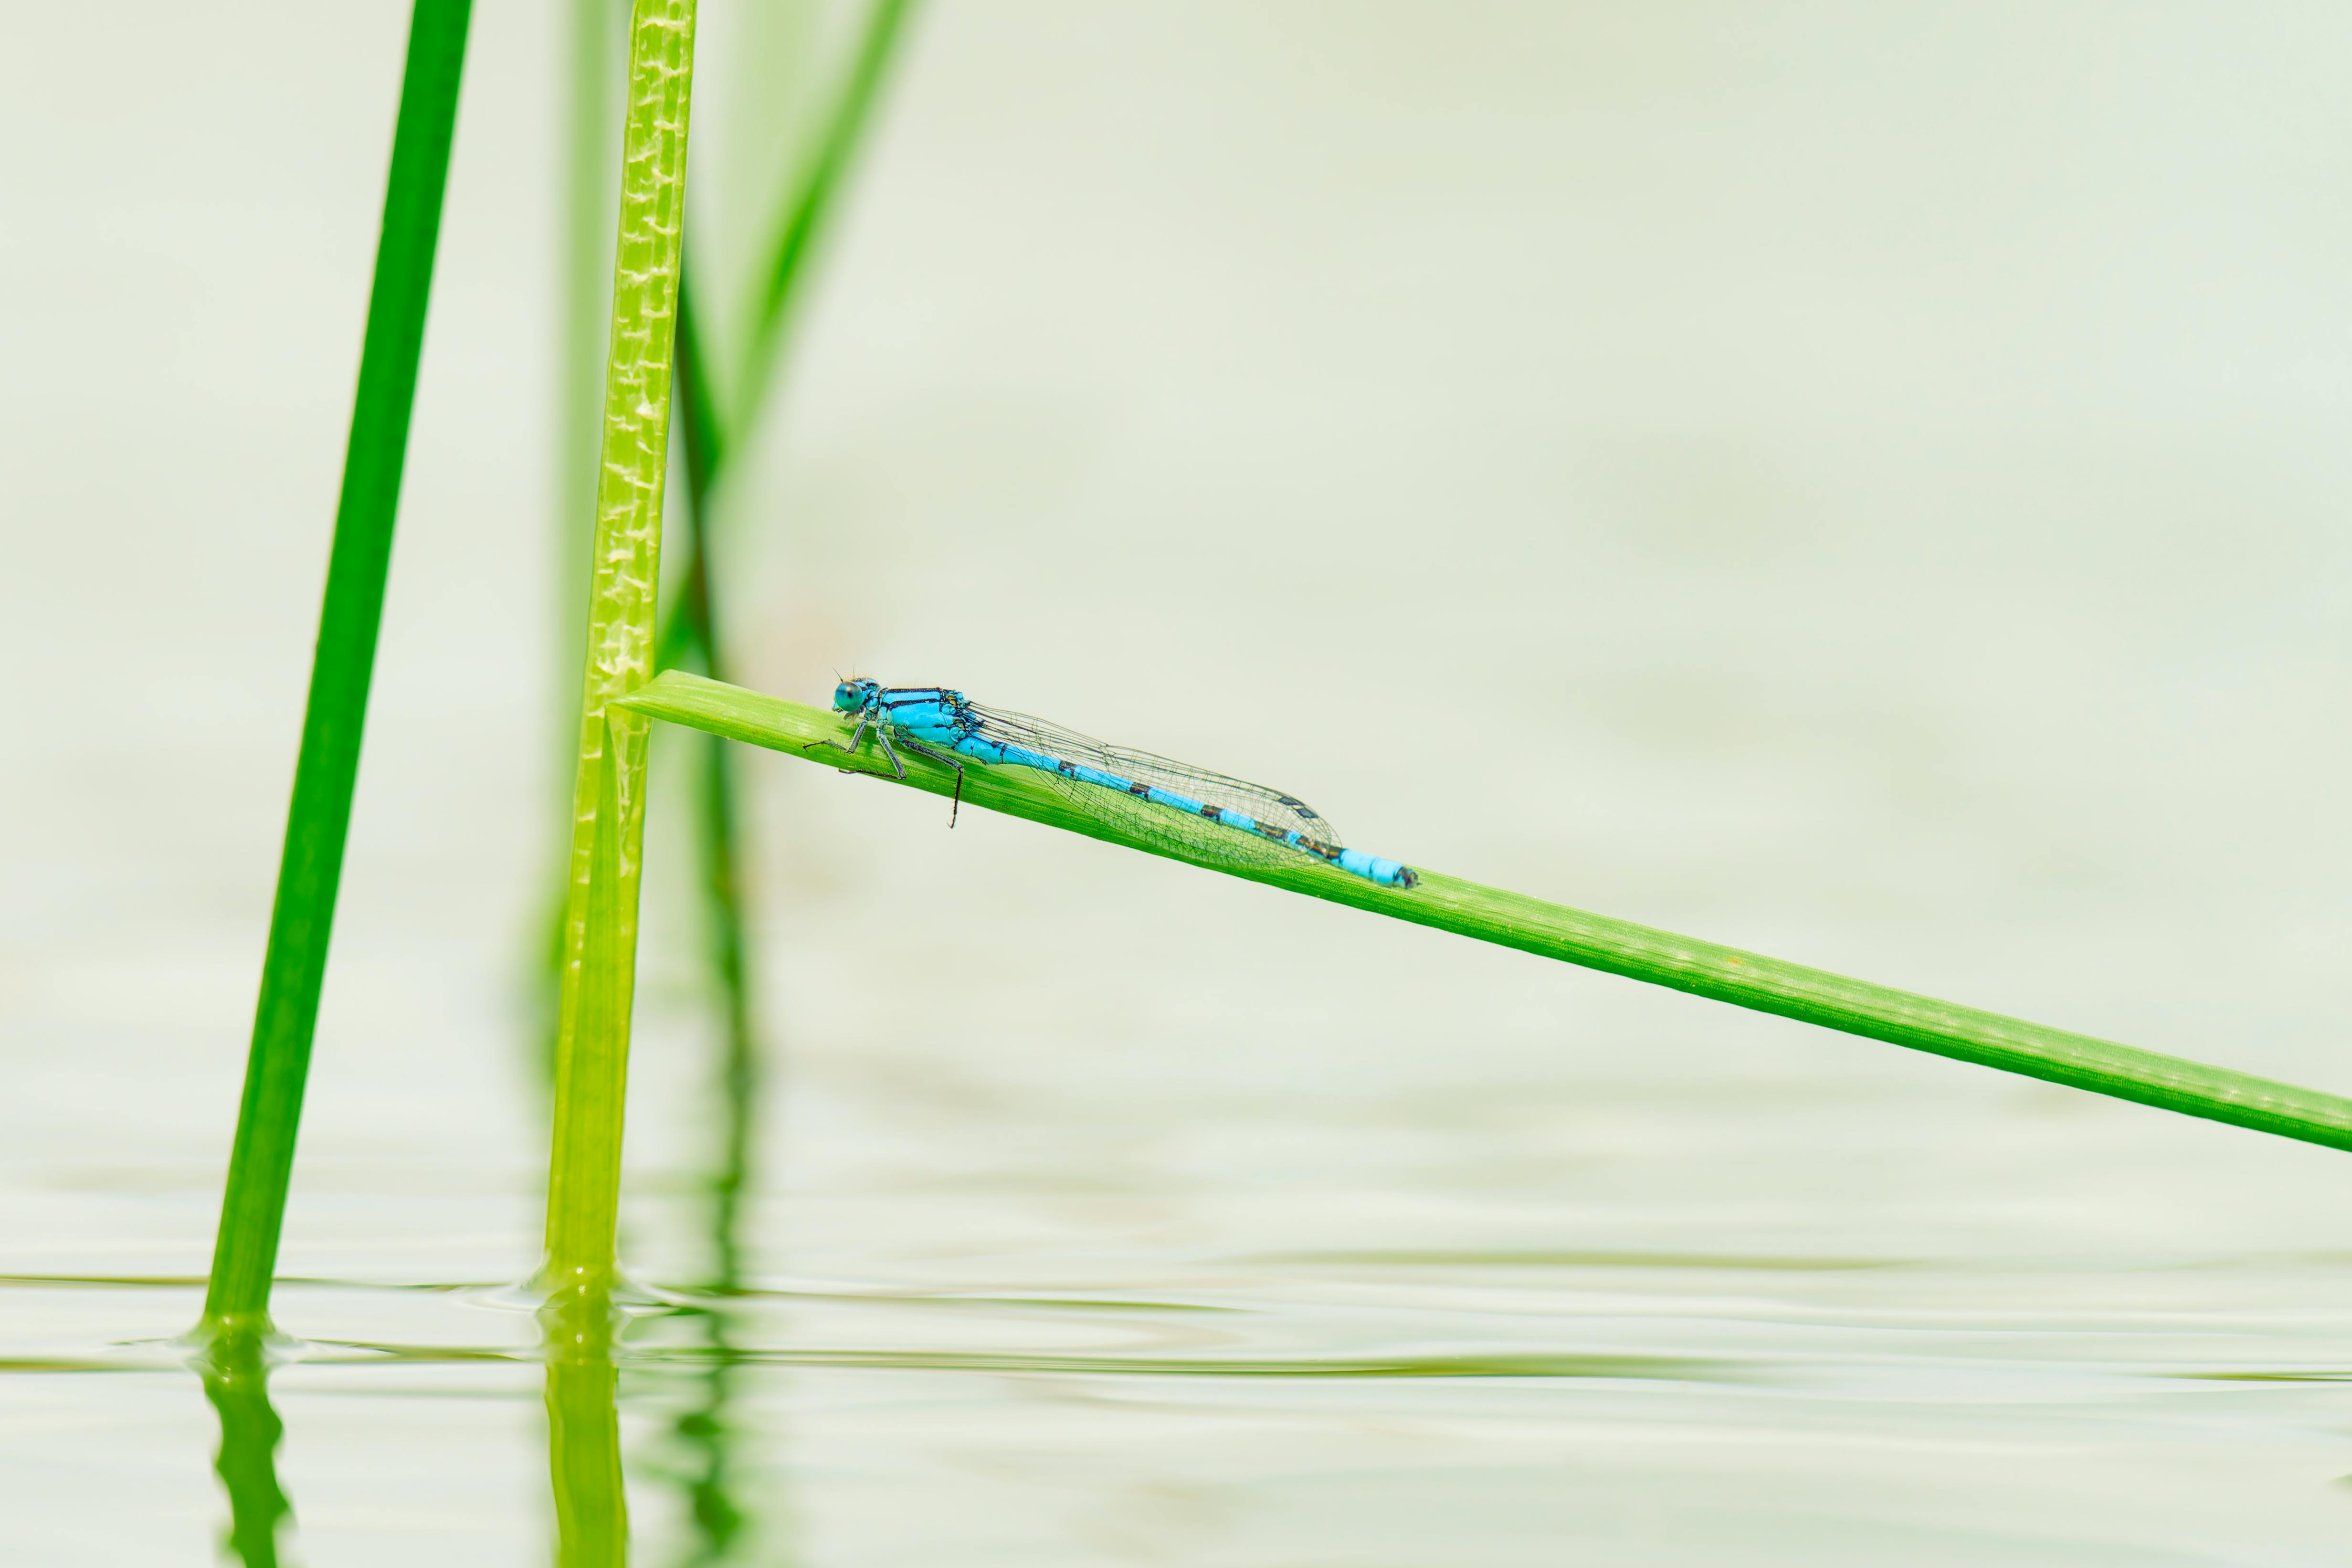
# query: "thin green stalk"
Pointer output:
{"type": "Point", "coordinates": [804, 222]}
{"type": "Point", "coordinates": [697, 408]}
{"type": "Point", "coordinates": [590, 27]}
{"type": "Point", "coordinates": [687, 635]}
{"type": "Point", "coordinates": [1595, 941]}
{"type": "Point", "coordinates": [691, 634]}
{"type": "Point", "coordinates": [593, 1064]}
{"type": "Point", "coordinates": [587, 304]}
{"type": "Point", "coordinates": [720, 841]}
{"type": "Point", "coordinates": [707, 1431]}
{"type": "Point", "coordinates": [608, 794]}
{"type": "Point", "coordinates": [261, 1164]}
{"type": "Point", "coordinates": [805, 216]}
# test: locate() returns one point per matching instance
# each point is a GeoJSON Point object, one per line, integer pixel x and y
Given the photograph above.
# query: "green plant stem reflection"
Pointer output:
{"type": "Point", "coordinates": [583, 1431]}
{"type": "Point", "coordinates": [236, 1370]}
{"type": "Point", "coordinates": [1595, 941]}
{"type": "Point", "coordinates": [706, 1432]}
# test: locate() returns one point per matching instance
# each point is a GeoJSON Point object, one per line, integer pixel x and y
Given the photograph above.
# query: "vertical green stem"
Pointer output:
{"type": "Point", "coordinates": [719, 840]}
{"type": "Point", "coordinates": [707, 1431]}
{"type": "Point", "coordinates": [693, 632]}
{"type": "Point", "coordinates": [599, 926]}
{"type": "Point", "coordinates": [261, 1164]}
{"type": "Point", "coordinates": [587, 286]}
{"type": "Point", "coordinates": [587, 312]}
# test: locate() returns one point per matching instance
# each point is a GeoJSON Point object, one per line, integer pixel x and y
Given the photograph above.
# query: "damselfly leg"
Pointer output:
{"type": "Point", "coordinates": [955, 809]}
{"type": "Point", "coordinates": [858, 737]}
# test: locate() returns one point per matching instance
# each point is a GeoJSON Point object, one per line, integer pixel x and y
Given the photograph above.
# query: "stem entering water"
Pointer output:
{"type": "Point", "coordinates": [294, 967]}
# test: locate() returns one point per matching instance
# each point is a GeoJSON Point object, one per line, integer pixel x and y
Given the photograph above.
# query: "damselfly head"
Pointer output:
{"type": "Point", "coordinates": [854, 693]}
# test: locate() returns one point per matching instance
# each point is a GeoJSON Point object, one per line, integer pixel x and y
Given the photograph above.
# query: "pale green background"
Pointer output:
{"type": "Point", "coordinates": [1863, 482]}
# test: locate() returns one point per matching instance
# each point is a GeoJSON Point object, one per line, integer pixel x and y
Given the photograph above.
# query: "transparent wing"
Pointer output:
{"type": "Point", "coordinates": [1286, 813]}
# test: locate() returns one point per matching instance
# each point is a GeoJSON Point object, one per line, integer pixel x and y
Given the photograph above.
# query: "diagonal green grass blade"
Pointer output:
{"type": "Point", "coordinates": [261, 1164]}
{"type": "Point", "coordinates": [1597, 941]}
